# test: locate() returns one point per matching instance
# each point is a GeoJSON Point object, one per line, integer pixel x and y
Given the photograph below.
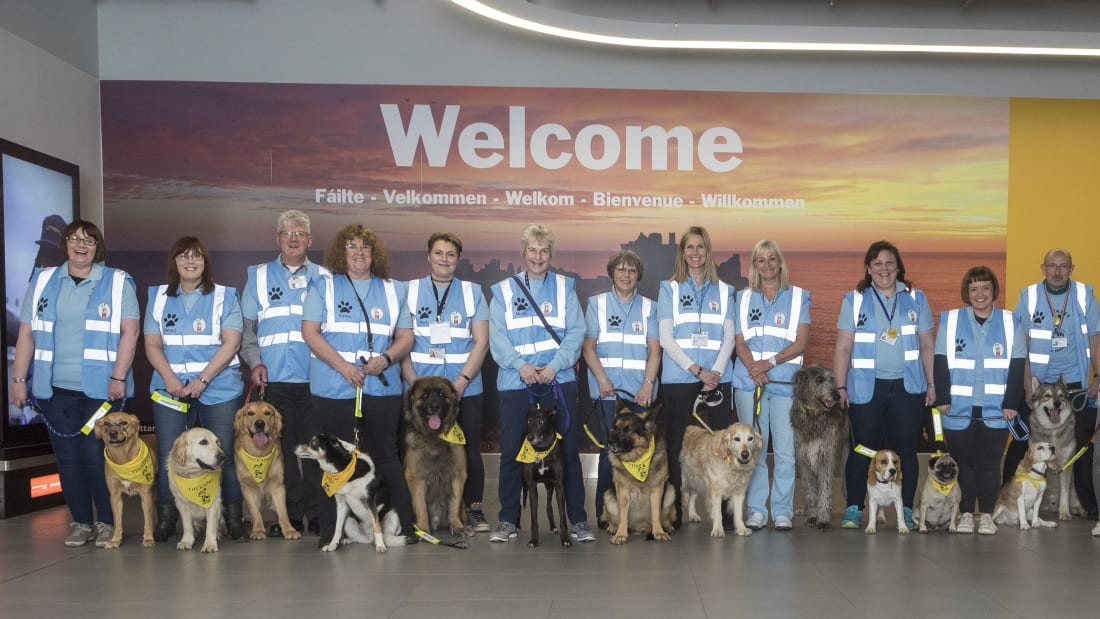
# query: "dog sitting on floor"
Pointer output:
{"type": "Point", "coordinates": [258, 429]}
{"type": "Point", "coordinates": [435, 459]}
{"type": "Point", "coordinates": [884, 490]}
{"type": "Point", "coordinates": [940, 496]}
{"type": "Point", "coordinates": [641, 498]}
{"type": "Point", "coordinates": [1020, 498]}
{"type": "Point", "coordinates": [194, 476]}
{"type": "Point", "coordinates": [130, 467]}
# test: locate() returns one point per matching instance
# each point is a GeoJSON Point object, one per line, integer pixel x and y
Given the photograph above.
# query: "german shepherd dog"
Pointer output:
{"type": "Point", "coordinates": [1052, 422]}
{"type": "Point", "coordinates": [548, 469]}
{"type": "Point", "coordinates": [820, 439]}
{"type": "Point", "coordinates": [641, 499]}
{"type": "Point", "coordinates": [435, 468]}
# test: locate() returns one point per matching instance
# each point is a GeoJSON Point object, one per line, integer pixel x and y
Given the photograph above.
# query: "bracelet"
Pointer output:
{"type": "Point", "coordinates": [118, 380]}
{"type": "Point", "coordinates": [468, 379]}
{"type": "Point", "coordinates": [772, 359]}
{"type": "Point", "coordinates": [18, 380]}
{"type": "Point", "coordinates": [203, 380]}
{"type": "Point", "coordinates": [650, 381]}
{"type": "Point", "coordinates": [386, 356]}
{"type": "Point", "coordinates": [700, 372]}
{"type": "Point", "coordinates": [604, 380]}
{"type": "Point", "coordinates": [841, 388]}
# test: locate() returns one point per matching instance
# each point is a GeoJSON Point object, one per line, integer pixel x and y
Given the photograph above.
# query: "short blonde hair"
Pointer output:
{"type": "Point", "coordinates": [539, 233]}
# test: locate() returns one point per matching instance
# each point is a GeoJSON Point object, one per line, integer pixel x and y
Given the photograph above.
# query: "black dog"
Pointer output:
{"type": "Point", "coordinates": [547, 467]}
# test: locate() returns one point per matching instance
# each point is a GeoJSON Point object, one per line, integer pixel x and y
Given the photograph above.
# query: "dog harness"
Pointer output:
{"type": "Point", "coordinates": [942, 488]}
{"type": "Point", "coordinates": [454, 435]}
{"type": "Point", "coordinates": [332, 482]}
{"type": "Point", "coordinates": [257, 466]}
{"type": "Point", "coordinates": [139, 470]}
{"type": "Point", "coordinates": [639, 469]}
{"type": "Point", "coordinates": [200, 490]}
{"type": "Point", "coordinates": [528, 455]}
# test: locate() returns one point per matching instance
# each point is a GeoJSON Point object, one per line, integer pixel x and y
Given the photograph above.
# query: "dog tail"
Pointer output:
{"type": "Point", "coordinates": [393, 540]}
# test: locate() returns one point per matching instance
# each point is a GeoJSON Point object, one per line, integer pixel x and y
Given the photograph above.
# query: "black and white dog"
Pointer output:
{"type": "Point", "coordinates": [350, 476]}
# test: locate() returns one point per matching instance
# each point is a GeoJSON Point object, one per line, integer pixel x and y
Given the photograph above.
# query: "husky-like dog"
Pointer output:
{"type": "Point", "coordinates": [1052, 422]}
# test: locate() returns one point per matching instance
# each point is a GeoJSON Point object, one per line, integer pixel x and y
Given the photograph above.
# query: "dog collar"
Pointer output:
{"type": "Point", "coordinates": [332, 482]}
{"type": "Point", "coordinates": [639, 469]}
{"type": "Point", "coordinates": [139, 470]}
{"type": "Point", "coordinates": [942, 488]}
{"type": "Point", "coordinates": [1029, 478]}
{"type": "Point", "coordinates": [257, 466]}
{"type": "Point", "coordinates": [528, 455]}
{"type": "Point", "coordinates": [200, 490]}
{"type": "Point", "coordinates": [454, 435]}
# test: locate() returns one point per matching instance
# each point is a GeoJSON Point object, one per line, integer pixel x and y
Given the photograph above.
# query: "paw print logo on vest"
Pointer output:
{"type": "Point", "coordinates": [275, 293]}
{"type": "Point", "coordinates": [519, 305]}
{"type": "Point", "coordinates": [43, 303]}
{"type": "Point", "coordinates": [862, 320]}
{"type": "Point", "coordinates": [344, 307]}
{"type": "Point", "coordinates": [614, 321]}
{"type": "Point", "coordinates": [687, 300]}
{"type": "Point", "coordinates": [424, 313]}
{"type": "Point", "coordinates": [754, 314]}
{"type": "Point", "coordinates": [960, 345]}
{"type": "Point", "coordinates": [170, 320]}
{"type": "Point", "coordinates": [1038, 318]}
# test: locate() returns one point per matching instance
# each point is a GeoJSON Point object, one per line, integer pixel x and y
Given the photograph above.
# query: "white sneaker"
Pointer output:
{"type": "Point", "coordinates": [756, 521]}
{"type": "Point", "coordinates": [966, 524]}
{"type": "Point", "coordinates": [1096, 530]}
{"type": "Point", "coordinates": [986, 526]}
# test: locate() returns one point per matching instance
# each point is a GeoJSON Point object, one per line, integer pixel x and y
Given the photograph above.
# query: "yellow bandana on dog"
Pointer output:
{"type": "Point", "coordinates": [1028, 478]}
{"type": "Point", "coordinates": [332, 482]}
{"type": "Point", "coordinates": [139, 470]}
{"type": "Point", "coordinates": [528, 455]}
{"type": "Point", "coordinates": [200, 490]}
{"type": "Point", "coordinates": [454, 435]}
{"type": "Point", "coordinates": [942, 488]}
{"type": "Point", "coordinates": [257, 466]}
{"type": "Point", "coordinates": [639, 469]}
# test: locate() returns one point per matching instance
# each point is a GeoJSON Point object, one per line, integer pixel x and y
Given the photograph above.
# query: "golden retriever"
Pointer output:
{"type": "Point", "coordinates": [194, 476]}
{"type": "Point", "coordinates": [258, 429]}
{"type": "Point", "coordinates": [718, 465]}
{"type": "Point", "coordinates": [130, 467]}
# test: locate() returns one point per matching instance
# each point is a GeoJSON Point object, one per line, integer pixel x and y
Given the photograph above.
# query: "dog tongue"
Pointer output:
{"type": "Point", "coordinates": [1056, 415]}
{"type": "Point", "coordinates": [259, 439]}
{"type": "Point", "coordinates": [434, 422]}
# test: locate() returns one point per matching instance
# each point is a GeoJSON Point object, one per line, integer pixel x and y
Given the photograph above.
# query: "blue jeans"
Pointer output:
{"type": "Point", "coordinates": [218, 418]}
{"type": "Point", "coordinates": [79, 457]}
{"type": "Point", "coordinates": [891, 420]}
{"type": "Point", "coordinates": [774, 421]}
{"type": "Point", "coordinates": [513, 429]}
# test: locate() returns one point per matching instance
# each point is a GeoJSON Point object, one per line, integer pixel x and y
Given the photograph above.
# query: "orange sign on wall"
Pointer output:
{"type": "Point", "coordinates": [45, 485]}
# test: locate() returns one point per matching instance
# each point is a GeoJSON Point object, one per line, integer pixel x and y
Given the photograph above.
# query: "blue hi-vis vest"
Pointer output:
{"type": "Point", "coordinates": [962, 352]}
{"type": "Point", "coordinates": [1040, 330]}
{"type": "Point", "coordinates": [767, 331]}
{"type": "Point", "coordinates": [622, 342]}
{"type": "Point", "coordinates": [526, 332]}
{"type": "Point", "coordinates": [191, 339]}
{"type": "Point", "coordinates": [861, 375]}
{"type": "Point", "coordinates": [102, 331]}
{"type": "Point", "coordinates": [689, 315]}
{"type": "Point", "coordinates": [458, 315]}
{"type": "Point", "coordinates": [279, 320]}
{"type": "Point", "coordinates": [345, 328]}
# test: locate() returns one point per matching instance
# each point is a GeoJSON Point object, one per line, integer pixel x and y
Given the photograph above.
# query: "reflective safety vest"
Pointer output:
{"type": "Point", "coordinates": [102, 331]}
{"type": "Point", "coordinates": [526, 331]}
{"type": "Point", "coordinates": [191, 338]}
{"type": "Point", "coordinates": [767, 331]}
{"type": "Point", "coordinates": [861, 374]}
{"type": "Point", "coordinates": [1040, 330]}
{"type": "Point", "coordinates": [447, 359]}
{"type": "Point", "coordinates": [689, 316]}
{"type": "Point", "coordinates": [279, 320]}
{"type": "Point", "coordinates": [622, 347]}
{"type": "Point", "coordinates": [962, 353]}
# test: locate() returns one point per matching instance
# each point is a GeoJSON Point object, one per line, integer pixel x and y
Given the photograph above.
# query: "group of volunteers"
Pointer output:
{"type": "Point", "coordinates": [325, 341]}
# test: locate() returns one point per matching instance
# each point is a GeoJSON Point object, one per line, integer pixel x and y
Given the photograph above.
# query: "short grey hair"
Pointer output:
{"type": "Point", "coordinates": [538, 233]}
{"type": "Point", "coordinates": [292, 218]}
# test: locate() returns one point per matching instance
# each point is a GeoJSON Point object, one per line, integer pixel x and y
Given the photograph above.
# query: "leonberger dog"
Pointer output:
{"type": "Point", "coordinates": [820, 439]}
{"type": "Point", "coordinates": [641, 499]}
{"type": "Point", "coordinates": [130, 467]}
{"type": "Point", "coordinates": [257, 443]}
{"type": "Point", "coordinates": [435, 465]}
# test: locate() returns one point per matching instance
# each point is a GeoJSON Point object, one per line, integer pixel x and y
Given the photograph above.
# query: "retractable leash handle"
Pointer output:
{"type": "Point", "coordinates": [381, 377]}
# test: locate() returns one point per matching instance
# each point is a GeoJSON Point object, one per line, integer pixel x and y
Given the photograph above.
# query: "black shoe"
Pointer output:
{"type": "Point", "coordinates": [727, 517]}
{"type": "Point", "coordinates": [275, 531]}
{"type": "Point", "coordinates": [167, 516]}
{"type": "Point", "coordinates": [314, 526]}
{"type": "Point", "coordinates": [234, 522]}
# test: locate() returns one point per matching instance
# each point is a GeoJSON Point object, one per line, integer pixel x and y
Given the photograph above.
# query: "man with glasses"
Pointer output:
{"type": "Point", "coordinates": [272, 346]}
{"type": "Point", "coordinates": [1061, 319]}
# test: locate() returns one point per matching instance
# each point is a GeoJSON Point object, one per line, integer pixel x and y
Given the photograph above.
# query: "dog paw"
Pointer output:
{"type": "Point", "coordinates": [662, 536]}
{"type": "Point", "coordinates": [114, 543]}
{"type": "Point", "coordinates": [209, 548]}
{"type": "Point", "coordinates": [1047, 524]}
{"type": "Point", "coordinates": [148, 542]}
{"type": "Point", "coordinates": [717, 532]}
{"type": "Point", "coordinates": [903, 530]}
{"type": "Point", "coordinates": [566, 543]}
{"type": "Point", "coordinates": [329, 547]}
{"type": "Point", "coordinates": [1024, 526]}
{"type": "Point", "coordinates": [291, 533]}
{"type": "Point", "coordinates": [744, 532]}
{"type": "Point", "coordinates": [380, 548]}
{"type": "Point", "coordinates": [182, 545]}
{"type": "Point", "coordinates": [695, 519]}
{"type": "Point", "coordinates": [924, 529]}
{"type": "Point", "coordinates": [258, 536]}
{"type": "Point", "coordinates": [1065, 516]}
{"type": "Point", "coordinates": [533, 543]}
{"type": "Point", "coordinates": [618, 540]}
{"type": "Point", "coordinates": [870, 530]}
{"type": "Point", "coordinates": [824, 525]}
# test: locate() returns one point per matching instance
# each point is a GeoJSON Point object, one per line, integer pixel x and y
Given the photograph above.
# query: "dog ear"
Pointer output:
{"type": "Point", "coordinates": [97, 429]}
{"type": "Point", "coordinates": [407, 401]}
{"type": "Point", "coordinates": [277, 420]}
{"type": "Point", "coordinates": [178, 454]}
{"type": "Point", "coordinates": [1034, 386]}
{"type": "Point", "coordinates": [758, 438]}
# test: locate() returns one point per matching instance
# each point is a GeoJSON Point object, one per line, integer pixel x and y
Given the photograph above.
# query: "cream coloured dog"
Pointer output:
{"type": "Point", "coordinates": [194, 475]}
{"type": "Point", "coordinates": [1019, 499]}
{"type": "Point", "coordinates": [718, 466]}
{"type": "Point", "coordinates": [884, 489]}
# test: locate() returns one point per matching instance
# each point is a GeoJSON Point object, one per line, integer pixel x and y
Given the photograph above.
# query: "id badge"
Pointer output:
{"type": "Point", "coordinates": [1059, 343]}
{"type": "Point", "coordinates": [298, 281]}
{"type": "Point", "coordinates": [437, 353]}
{"type": "Point", "coordinates": [886, 338]}
{"type": "Point", "coordinates": [699, 339]}
{"type": "Point", "coordinates": [441, 333]}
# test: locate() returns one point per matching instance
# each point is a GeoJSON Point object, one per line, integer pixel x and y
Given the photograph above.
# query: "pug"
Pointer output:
{"type": "Point", "coordinates": [938, 503]}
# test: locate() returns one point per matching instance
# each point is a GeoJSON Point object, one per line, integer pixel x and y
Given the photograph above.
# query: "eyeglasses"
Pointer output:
{"type": "Point", "coordinates": [1058, 267]}
{"type": "Point", "coordinates": [294, 234]}
{"type": "Point", "coordinates": [354, 247]}
{"type": "Point", "coordinates": [622, 268]}
{"type": "Point", "coordinates": [86, 241]}
{"type": "Point", "coordinates": [191, 257]}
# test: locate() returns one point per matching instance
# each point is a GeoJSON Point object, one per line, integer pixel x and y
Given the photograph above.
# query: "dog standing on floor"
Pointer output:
{"type": "Point", "coordinates": [1019, 500]}
{"type": "Point", "coordinates": [258, 429]}
{"type": "Point", "coordinates": [820, 439]}
{"type": "Point", "coordinates": [435, 460]}
{"type": "Point", "coordinates": [1052, 422]}
{"type": "Point", "coordinates": [363, 512]}
{"type": "Point", "coordinates": [884, 489]}
{"type": "Point", "coordinates": [940, 496]}
{"type": "Point", "coordinates": [543, 463]}
{"type": "Point", "coordinates": [194, 476]}
{"type": "Point", "coordinates": [719, 465]}
{"type": "Point", "coordinates": [130, 467]}
{"type": "Point", "coordinates": [641, 498]}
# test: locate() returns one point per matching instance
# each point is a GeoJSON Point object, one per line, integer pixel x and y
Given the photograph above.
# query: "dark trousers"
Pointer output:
{"type": "Point", "coordinates": [470, 412]}
{"type": "Point", "coordinates": [678, 405]}
{"type": "Point", "coordinates": [977, 449]}
{"type": "Point", "coordinates": [891, 420]}
{"type": "Point", "coordinates": [295, 404]}
{"type": "Point", "coordinates": [513, 429]}
{"type": "Point", "coordinates": [79, 457]}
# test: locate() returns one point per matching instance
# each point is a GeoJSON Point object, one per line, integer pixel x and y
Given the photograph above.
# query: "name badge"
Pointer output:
{"type": "Point", "coordinates": [887, 338]}
{"type": "Point", "coordinates": [298, 281]}
{"type": "Point", "coordinates": [699, 339]}
{"type": "Point", "coordinates": [1059, 343]}
{"type": "Point", "coordinates": [437, 353]}
{"type": "Point", "coordinates": [441, 333]}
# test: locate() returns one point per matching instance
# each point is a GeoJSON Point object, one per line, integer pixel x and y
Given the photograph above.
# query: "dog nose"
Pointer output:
{"type": "Point", "coordinates": [260, 423]}
{"type": "Point", "coordinates": [892, 471]}
{"type": "Point", "coordinates": [221, 456]}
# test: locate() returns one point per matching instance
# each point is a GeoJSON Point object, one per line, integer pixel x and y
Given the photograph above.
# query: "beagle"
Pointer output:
{"type": "Point", "coordinates": [1019, 499]}
{"type": "Point", "coordinates": [884, 489]}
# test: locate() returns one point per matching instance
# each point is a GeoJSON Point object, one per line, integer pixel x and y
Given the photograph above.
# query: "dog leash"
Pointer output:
{"type": "Point", "coordinates": [431, 539]}
{"type": "Point", "coordinates": [709, 399]}
{"type": "Point", "coordinates": [252, 389]}
{"type": "Point", "coordinates": [559, 396]}
{"type": "Point", "coordinates": [604, 430]}
{"type": "Point", "coordinates": [1080, 400]}
{"type": "Point", "coordinates": [86, 429]}
{"type": "Point", "coordinates": [1082, 450]}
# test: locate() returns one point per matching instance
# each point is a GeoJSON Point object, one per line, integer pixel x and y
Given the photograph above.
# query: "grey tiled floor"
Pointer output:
{"type": "Point", "coordinates": [839, 573]}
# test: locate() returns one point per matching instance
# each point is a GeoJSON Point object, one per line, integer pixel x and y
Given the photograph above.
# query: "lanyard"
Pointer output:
{"type": "Point", "coordinates": [702, 298]}
{"type": "Point", "coordinates": [439, 304]}
{"type": "Point", "coordinates": [893, 306]}
{"type": "Point", "coordinates": [366, 316]}
{"type": "Point", "coordinates": [1057, 316]}
{"type": "Point", "coordinates": [627, 308]}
